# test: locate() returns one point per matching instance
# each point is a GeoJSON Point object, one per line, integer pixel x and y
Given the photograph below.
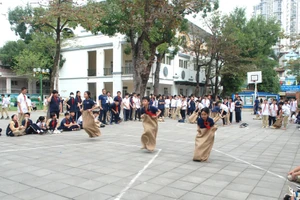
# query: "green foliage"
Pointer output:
{"type": "Point", "coordinates": [294, 67]}
{"type": "Point", "coordinates": [10, 50]}
{"type": "Point", "coordinates": [231, 84]}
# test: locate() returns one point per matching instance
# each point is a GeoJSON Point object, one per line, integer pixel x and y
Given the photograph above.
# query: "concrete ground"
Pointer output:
{"type": "Point", "coordinates": [249, 163]}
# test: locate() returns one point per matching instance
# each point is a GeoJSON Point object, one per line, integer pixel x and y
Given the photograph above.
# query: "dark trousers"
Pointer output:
{"type": "Point", "coordinates": [126, 113]}
{"type": "Point", "coordinates": [32, 129]}
{"type": "Point", "coordinates": [70, 128]}
{"type": "Point", "coordinates": [272, 120]}
{"type": "Point", "coordinates": [238, 116]}
{"type": "Point", "coordinates": [137, 113]}
{"type": "Point", "coordinates": [162, 112]}
{"type": "Point", "coordinates": [183, 113]}
{"type": "Point", "coordinates": [230, 117]}
{"type": "Point", "coordinates": [224, 119]}
{"type": "Point", "coordinates": [102, 116]}
{"type": "Point", "coordinates": [130, 113]}
{"type": "Point", "coordinates": [114, 117]}
{"type": "Point", "coordinates": [255, 110]}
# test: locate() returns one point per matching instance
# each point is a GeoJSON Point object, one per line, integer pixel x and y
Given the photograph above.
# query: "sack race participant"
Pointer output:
{"type": "Point", "coordinates": [193, 118]}
{"type": "Point", "coordinates": [149, 116]}
{"type": "Point", "coordinates": [205, 138]}
{"type": "Point", "coordinates": [13, 128]}
{"type": "Point", "coordinates": [278, 122]}
{"type": "Point", "coordinates": [88, 124]}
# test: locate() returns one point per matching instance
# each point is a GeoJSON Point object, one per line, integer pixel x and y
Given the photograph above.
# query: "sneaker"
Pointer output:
{"type": "Point", "coordinates": [38, 132]}
{"type": "Point", "coordinates": [50, 132]}
{"type": "Point", "coordinates": [42, 131]}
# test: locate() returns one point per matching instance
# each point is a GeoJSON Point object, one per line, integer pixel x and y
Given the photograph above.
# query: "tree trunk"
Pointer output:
{"type": "Point", "coordinates": [55, 68]}
{"type": "Point", "coordinates": [217, 78]}
{"type": "Point", "coordinates": [207, 76]}
{"type": "Point", "coordinates": [159, 57]}
{"type": "Point", "coordinates": [197, 89]}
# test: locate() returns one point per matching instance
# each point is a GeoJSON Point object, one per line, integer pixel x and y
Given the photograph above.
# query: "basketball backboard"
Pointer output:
{"type": "Point", "coordinates": [254, 77]}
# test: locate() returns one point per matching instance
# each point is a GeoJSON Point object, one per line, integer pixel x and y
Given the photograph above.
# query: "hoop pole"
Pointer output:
{"type": "Point", "coordinates": [255, 90]}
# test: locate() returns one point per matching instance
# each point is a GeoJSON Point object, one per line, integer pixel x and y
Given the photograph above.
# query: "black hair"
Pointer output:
{"type": "Point", "coordinates": [126, 94]}
{"type": "Point", "coordinates": [67, 114]}
{"type": "Point", "coordinates": [8, 95]}
{"type": "Point", "coordinates": [27, 113]}
{"type": "Point", "coordinates": [71, 93]}
{"type": "Point", "coordinates": [281, 103]}
{"type": "Point", "coordinates": [286, 101]}
{"type": "Point", "coordinates": [72, 111]}
{"type": "Point", "coordinates": [118, 92]}
{"type": "Point", "coordinates": [52, 115]}
{"type": "Point", "coordinates": [23, 88]}
{"type": "Point", "coordinates": [88, 93]}
{"type": "Point", "coordinates": [133, 93]}
{"type": "Point", "coordinates": [146, 98]}
{"type": "Point", "coordinates": [206, 110]}
{"type": "Point", "coordinates": [41, 118]}
{"type": "Point", "coordinates": [138, 95]}
{"type": "Point", "coordinates": [54, 92]}
{"type": "Point", "coordinates": [13, 116]}
{"type": "Point", "coordinates": [77, 92]}
{"type": "Point", "coordinates": [219, 102]}
{"type": "Point", "coordinates": [0, 130]}
{"type": "Point", "coordinates": [2, 95]}
{"type": "Point", "coordinates": [28, 97]}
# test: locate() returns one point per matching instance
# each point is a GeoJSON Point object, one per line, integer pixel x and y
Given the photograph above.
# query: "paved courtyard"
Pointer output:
{"type": "Point", "coordinates": [249, 163]}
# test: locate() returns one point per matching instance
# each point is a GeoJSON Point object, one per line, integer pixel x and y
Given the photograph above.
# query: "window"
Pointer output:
{"type": "Point", "coordinates": [92, 57]}
{"type": "Point", "coordinates": [181, 91]}
{"type": "Point", "coordinates": [180, 63]}
{"type": "Point", "coordinates": [185, 64]}
{"type": "Point", "coordinates": [125, 89]}
{"type": "Point", "coordinates": [166, 91]}
{"type": "Point", "coordinates": [168, 60]}
{"type": "Point", "coordinates": [163, 61]}
{"type": "Point", "coordinates": [14, 82]}
{"type": "Point", "coordinates": [128, 63]}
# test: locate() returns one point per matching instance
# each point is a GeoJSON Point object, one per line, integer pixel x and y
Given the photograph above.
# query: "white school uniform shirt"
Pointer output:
{"type": "Point", "coordinates": [126, 103]}
{"type": "Point", "coordinates": [167, 103]}
{"type": "Point", "coordinates": [224, 107]}
{"type": "Point", "coordinates": [231, 106]}
{"type": "Point", "coordinates": [273, 109]}
{"type": "Point", "coordinates": [200, 106]}
{"type": "Point", "coordinates": [286, 110]}
{"type": "Point", "coordinates": [110, 100]}
{"type": "Point", "coordinates": [41, 124]}
{"type": "Point", "coordinates": [294, 106]}
{"type": "Point", "coordinates": [79, 120]}
{"type": "Point", "coordinates": [178, 102]}
{"type": "Point", "coordinates": [205, 103]}
{"type": "Point", "coordinates": [4, 102]}
{"type": "Point", "coordinates": [137, 103]}
{"type": "Point", "coordinates": [183, 105]}
{"type": "Point", "coordinates": [45, 102]}
{"type": "Point", "coordinates": [173, 103]}
{"type": "Point", "coordinates": [155, 103]}
{"type": "Point", "coordinates": [22, 99]}
{"type": "Point", "coordinates": [265, 108]}
{"type": "Point", "coordinates": [29, 102]}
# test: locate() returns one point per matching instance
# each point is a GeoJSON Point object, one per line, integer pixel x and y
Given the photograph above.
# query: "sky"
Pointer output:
{"type": "Point", "coordinates": [226, 6]}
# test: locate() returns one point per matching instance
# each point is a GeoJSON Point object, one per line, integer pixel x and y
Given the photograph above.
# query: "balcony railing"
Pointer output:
{"type": "Point", "coordinates": [107, 71]}
{"type": "Point", "coordinates": [127, 70]}
{"type": "Point", "coordinates": [91, 72]}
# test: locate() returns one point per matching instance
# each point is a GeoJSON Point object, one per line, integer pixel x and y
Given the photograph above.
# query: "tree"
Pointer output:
{"type": "Point", "coordinates": [270, 81]}
{"type": "Point", "coordinates": [10, 50]}
{"type": "Point", "coordinates": [145, 24]}
{"type": "Point", "coordinates": [51, 19]}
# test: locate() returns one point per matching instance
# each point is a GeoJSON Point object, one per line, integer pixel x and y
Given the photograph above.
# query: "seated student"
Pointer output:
{"type": "Point", "coordinates": [79, 121]}
{"type": "Point", "coordinates": [297, 120]}
{"type": "Point", "coordinates": [67, 125]}
{"type": "Point", "coordinates": [223, 111]}
{"type": "Point", "coordinates": [34, 106]}
{"type": "Point", "coordinates": [115, 112]}
{"type": "Point", "coordinates": [294, 175]}
{"type": "Point", "coordinates": [96, 116]}
{"type": "Point", "coordinates": [14, 129]}
{"type": "Point", "coordinates": [52, 124]}
{"type": "Point", "coordinates": [41, 123]}
{"type": "Point", "coordinates": [30, 127]}
{"type": "Point", "coordinates": [73, 116]}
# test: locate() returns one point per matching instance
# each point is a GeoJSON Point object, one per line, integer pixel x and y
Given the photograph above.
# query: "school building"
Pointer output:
{"type": "Point", "coordinates": [94, 62]}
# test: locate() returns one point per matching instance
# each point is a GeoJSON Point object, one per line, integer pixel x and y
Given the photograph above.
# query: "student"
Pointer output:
{"type": "Point", "coordinates": [273, 113]}
{"type": "Point", "coordinates": [167, 106]}
{"type": "Point", "coordinates": [79, 121]}
{"type": "Point", "coordinates": [126, 106]}
{"type": "Point", "coordinates": [71, 103]}
{"type": "Point", "coordinates": [78, 102]}
{"type": "Point", "coordinates": [9, 101]}
{"type": "Point", "coordinates": [223, 112]}
{"type": "Point", "coordinates": [294, 175]}
{"type": "Point", "coordinates": [30, 127]}
{"type": "Point", "coordinates": [178, 107]}
{"type": "Point", "coordinates": [138, 107]}
{"type": "Point", "coordinates": [173, 107]}
{"type": "Point", "coordinates": [183, 109]}
{"type": "Point", "coordinates": [205, 137]}
{"type": "Point", "coordinates": [238, 109]}
{"type": "Point", "coordinates": [285, 113]}
{"type": "Point", "coordinates": [88, 124]}
{"type": "Point", "coordinates": [115, 112]}
{"type": "Point", "coordinates": [230, 109]}
{"type": "Point", "coordinates": [279, 119]}
{"type": "Point", "coordinates": [256, 105]}
{"type": "Point", "coordinates": [29, 103]}
{"type": "Point", "coordinates": [265, 107]}
{"type": "Point", "coordinates": [110, 101]}
{"type": "Point", "coordinates": [54, 103]}
{"type": "Point", "coordinates": [53, 123]}
{"type": "Point", "coordinates": [0, 131]}
{"type": "Point", "coordinates": [22, 104]}
{"type": "Point", "coordinates": [96, 118]}
{"type": "Point", "coordinates": [206, 102]}
{"type": "Point", "coordinates": [67, 125]}
{"type": "Point", "coordinates": [161, 106]}
{"type": "Point", "coordinates": [4, 106]}
{"type": "Point", "coordinates": [192, 105]}
{"type": "Point", "coordinates": [297, 121]}
{"type": "Point", "coordinates": [41, 123]}
{"type": "Point", "coordinates": [103, 103]}
{"type": "Point", "coordinates": [149, 114]}
{"type": "Point", "coordinates": [14, 128]}
{"type": "Point", "coordinates": [293, 106]}
{"type": "Point", "coordinates": [45, 104]}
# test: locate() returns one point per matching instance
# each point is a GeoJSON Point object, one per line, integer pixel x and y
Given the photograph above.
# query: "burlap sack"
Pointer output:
{"type": "Point", "coordinates": [150, 132]}
{"type": "Point", "coordinates": [203, 143]}
{"type": "Point", "coordinates": [217, 118]}
{"type": "Point", "coordinates": [89, 124]}
{"type": "Point", "coordinates": [193, 118]}
{"type": "Point", "coordinates": [277, 124]}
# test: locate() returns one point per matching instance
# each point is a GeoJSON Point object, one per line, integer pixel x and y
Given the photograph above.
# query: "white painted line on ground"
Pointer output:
{"type": "Point", "coordinates": [137, 176]}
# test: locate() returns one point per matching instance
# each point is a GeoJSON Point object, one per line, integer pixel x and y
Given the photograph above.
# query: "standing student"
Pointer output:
{"type": "Point", "coordinates": [285, 113]}
{"type": "Point", "coordinates": [103, 103]}
{"type": "Point", "coordinates": [183, 108]}
{"type": "Point", "coordinates": [149, 114]}
{"type": "Point", "coordinates": [110, 101]}
{"type": "Point", "coordinates": [206, 102]}
{"type": "Point", "coordinates": [9, 101]}
{"type": "Point", "coordinates": [54, 103]}
{"type": "Point", "coordinates": [45, 104]}
{"type": "Point", "coordinates": [273, 113]}
{"type": "Point", "coordinates": [173, 107]}
{"type": "Point", "coordinates": [88, 120]}
{"type": "Point", "coordinates": [119, 99]}
{"type": "Point", "coordinates": [4, 106]}
{"type": "Point", "coordinates": [223, 112]}
{"type": "Point", "coordinates": [78, 102]}
{"type": "Point", "coordinates": [205, 137]}
{"type": "Point", "coordinates": [293, 106]}
{"type": "Point", "coordinates": [256, 105]}
{"type": "Point", "coordinates": [238, 109]}
{"type": "Point", "coordinates": [132, 101]}
{"type": "Point", "coordinates": [192, 105]}
{"type": "Point", "coordinates": [265, 107]}
{"type": "Point", "coordinates": [167, 106]}
{"type": "Point", "coordinates": [14, 128]}
{"type": "Point", "coordinates": [161, 105]}
{"type": "Point", "coordinates": [22, 104]}
{"type": "Point", "coordinates": [178, 107]}
{"type": "Point", "coordinates": [231, 107]}
{"type": "Point", "coordinates": [126, 106]}
{"type": "Point", "coordinates": [71, 103]}
{"type": "Point", "coordinates": [138, 107]}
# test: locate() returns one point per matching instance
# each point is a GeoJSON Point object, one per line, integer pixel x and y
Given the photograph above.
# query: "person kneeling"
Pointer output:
{"type": "Point", "coordinates": [67, 125]}
{"type": "Point", "coordinates": [14, 129]}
